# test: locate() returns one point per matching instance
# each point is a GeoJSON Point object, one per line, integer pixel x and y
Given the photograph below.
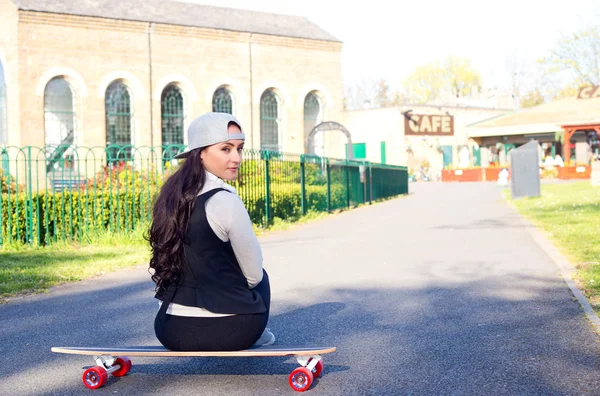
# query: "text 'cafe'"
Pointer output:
{"type": "Point", "coordinates": [428, 124]}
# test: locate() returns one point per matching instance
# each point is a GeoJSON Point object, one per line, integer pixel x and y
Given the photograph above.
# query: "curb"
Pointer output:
{"type": "Point", "coordinates": [566, 268]}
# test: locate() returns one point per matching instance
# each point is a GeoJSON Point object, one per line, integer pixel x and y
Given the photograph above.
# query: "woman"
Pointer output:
{"type": "Point", "coordinates": [214, 294]}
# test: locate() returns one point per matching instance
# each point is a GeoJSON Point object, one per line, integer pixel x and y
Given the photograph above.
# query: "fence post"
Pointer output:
{"type": "Point", "coordinates": [364, 181]}
{"type": "Point", "coordinates": [328, 186]}
{"type": "Point", "coordinates": [2, 210]}
{"type": "Point", "coordinates": [348, 183]}
{"type": "Point", "coordinates": [370, 183]}
{"type": "Point", "coordinates": [267, 190]}
{"type": "Point", "coordinates": [302, 184]}
{"type": "Point", "coordinates": [29, 203]}
{"type": "Point", "coordinates": [39, 224]}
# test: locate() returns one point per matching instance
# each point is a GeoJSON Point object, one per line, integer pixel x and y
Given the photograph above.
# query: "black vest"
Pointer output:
{"type": "Point", "coordinates": [212, 278]}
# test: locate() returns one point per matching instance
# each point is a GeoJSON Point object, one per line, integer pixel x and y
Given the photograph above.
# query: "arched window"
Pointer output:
{"type": "Point", "coordinates": [3, 108]}
{"type": "Point", "coordinates": [59, 122]}
{"type": "Point", "coordinates": [172, 120]}
{"type": "Point", "coordinates": [118, 121]}
{"type": "Point", "coordinates": [269, 128]}
{"type": "Point", "coordinates": [222, 101]}
{"type": "Point", "coordinates": [312, 117]}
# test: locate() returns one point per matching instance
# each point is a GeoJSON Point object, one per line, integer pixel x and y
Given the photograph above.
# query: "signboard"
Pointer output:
{"type": "Point", "coordinates": [589, 92]}
{"type": "Point", "coordinates": [429, 124]}
{"type": "Point", "coordinates": [525, 170]}
{"type": "Point", "coordinates": [361, 170]}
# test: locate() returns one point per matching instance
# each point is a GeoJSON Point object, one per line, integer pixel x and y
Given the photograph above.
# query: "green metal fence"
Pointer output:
{"type": "Point", "coordinates": [100, 189]}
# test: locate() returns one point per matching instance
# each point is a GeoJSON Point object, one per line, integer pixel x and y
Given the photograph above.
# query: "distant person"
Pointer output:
{"type": "Point", "coordinates": [558, 161]}
{"type": "Point", "coordinates": [503, 177]}
{"type": "Point", "coordinates": [207, 262]}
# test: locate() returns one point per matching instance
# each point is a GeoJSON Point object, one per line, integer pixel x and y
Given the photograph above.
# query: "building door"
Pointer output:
{"type": "Point", "coordinates": [476, 156]}
{"type": "Point", "coordinates": [447, 153]}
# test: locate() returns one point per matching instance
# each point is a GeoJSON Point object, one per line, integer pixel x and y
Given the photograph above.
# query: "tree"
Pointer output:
{"type": "Point", "coordinates": [455, 76]}
{"type": "Point", "coordinates": [383, 96]}
{"type": "Point", "coordinates": [574, 62]}
{"type": "Point", "coordinates": [425, 82]}
{"type": "Point", "coordinates": [525, 81]}
{"type": "Point", "coordinates": [359, 93]}
{"type": "Point", "coordinates": [461, 76]}
{"type": "Point", "coordinates": [369, 93]}
{"type": "Point", "coordinates": [532, 98]}
{"type": "Point", "coordinates": [569, 91]}
{"type": "Point", "coordinates": [400, 98]}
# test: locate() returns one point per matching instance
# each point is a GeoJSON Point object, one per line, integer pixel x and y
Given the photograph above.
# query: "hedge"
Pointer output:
{"type": "Point", "coordinates": [46, 217]}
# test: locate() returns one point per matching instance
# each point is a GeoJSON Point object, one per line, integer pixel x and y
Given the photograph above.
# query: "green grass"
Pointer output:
{"type": "Point", "coordinates": [569, 215]}
{"type": "Point", "coordinates": [27, 269]}
{"type": "Point", "coordinates": [281, 224]}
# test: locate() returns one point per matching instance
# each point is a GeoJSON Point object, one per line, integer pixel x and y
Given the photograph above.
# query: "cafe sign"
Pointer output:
{"type": "Point", "coordinates": [589, 92]}
{"type": "Point", "coordinates": [428, 124]}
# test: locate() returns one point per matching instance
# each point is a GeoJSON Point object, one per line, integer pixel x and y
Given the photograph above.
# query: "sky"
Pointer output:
{"type": "Point", "coordinates": [388, 39]}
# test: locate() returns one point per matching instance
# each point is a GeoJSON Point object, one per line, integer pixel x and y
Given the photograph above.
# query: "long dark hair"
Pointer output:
{"type": "Point", "coordinates": [170, 217]}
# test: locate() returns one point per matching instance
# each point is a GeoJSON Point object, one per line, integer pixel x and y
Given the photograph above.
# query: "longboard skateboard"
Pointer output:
{"type": "Point", "coordinates": [115, 361]}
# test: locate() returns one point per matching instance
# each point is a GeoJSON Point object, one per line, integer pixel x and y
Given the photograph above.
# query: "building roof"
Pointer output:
{"type": "Point", "coordinates": [184, 14]}
{"type": "Point", "coordinates": [548, 117]}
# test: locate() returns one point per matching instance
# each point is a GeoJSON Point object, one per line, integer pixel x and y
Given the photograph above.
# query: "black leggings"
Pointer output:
{"type": "Point", "coordinates": [227, 333]}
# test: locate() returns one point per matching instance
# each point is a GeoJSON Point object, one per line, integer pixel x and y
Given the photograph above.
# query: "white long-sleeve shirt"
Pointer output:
{"type": "Point", "coordinates": [229, 219]}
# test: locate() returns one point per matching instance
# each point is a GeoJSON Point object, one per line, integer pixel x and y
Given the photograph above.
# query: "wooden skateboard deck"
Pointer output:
{"type": "Point", "coordinates": [114, 360]}
{"type": "Point", "coordinates": [160, 351]}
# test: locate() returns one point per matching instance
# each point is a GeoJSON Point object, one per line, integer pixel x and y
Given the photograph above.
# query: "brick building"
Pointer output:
{"type": "Point", "coordinates": [82, 73]}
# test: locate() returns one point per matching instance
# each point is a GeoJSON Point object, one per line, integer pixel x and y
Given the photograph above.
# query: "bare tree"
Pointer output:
{"type": "Point", "coordinates": [525, 80]}
{"type": "Point", "coordinates": [574, 62]}
{"type": "Point", "coordinates": [359, 94]}
{"type": "Point", "coordinates": [383, 96]}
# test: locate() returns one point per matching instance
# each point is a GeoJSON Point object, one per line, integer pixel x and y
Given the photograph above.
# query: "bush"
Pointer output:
{"type": "Point", "coordinates": [549, 173]}
{"type": "Point", "coordinates": [8, 183]}
{"type": "Point", "coordinates": [70, 215]}
{"type": "Point", "coordinates": [120, 197]}
{"type": "Point", "coordinates": [286, 202]}
{"type": "Point", "coordinates": [122, 176]}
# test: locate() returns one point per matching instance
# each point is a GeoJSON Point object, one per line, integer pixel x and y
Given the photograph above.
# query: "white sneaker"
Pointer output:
{"type": "Point", "coordinates": [267, 338]}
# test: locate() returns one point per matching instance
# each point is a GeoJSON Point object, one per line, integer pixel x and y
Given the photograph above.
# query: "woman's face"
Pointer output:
{"type": "Point", "coordinates": [223, 159]}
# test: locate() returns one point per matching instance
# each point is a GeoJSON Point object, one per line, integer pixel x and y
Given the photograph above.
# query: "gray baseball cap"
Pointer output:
{"type": "Point", "coordinates": [209, 129]}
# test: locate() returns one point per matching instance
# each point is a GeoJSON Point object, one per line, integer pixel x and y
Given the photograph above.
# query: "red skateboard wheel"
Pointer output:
{"type": "Point", "coordinates": [301, 379]}
{"type": "Point", "coordinates": [125, 364]}
{"type": "Point", "coordinates": [95, 377]}
{"type": "Point", "coordinates": [318, 369]}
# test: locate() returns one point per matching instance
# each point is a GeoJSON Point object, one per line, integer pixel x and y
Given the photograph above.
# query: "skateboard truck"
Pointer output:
{"type": "Point", "coordinates": [310, 362]}
{"type": "Point", "coordinates": [108, 362]}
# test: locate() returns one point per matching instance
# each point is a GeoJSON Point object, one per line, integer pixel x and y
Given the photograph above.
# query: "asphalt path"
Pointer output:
{"type": "Point", "coordinates": [442, 292]}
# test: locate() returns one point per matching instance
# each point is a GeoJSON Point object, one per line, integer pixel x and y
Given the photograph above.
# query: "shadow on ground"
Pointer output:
{"type": "Point", "coordinates": [452, 339]}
